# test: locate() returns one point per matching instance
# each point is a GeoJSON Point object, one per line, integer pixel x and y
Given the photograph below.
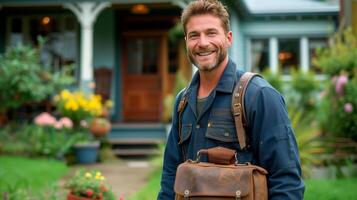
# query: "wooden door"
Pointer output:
{"type": "Point", "coordinates": [142, 90]}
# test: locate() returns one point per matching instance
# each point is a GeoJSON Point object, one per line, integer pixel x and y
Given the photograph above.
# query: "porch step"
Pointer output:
{"type": "Point", "coordinates": [137, 139]}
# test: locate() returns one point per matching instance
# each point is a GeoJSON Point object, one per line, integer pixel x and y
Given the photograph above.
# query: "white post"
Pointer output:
{"type": "Point", "coordinates": [87, 13]}
{"type": "Point", "coordinates": [273, 54]}
{"type": "Point", "coordinates": [304, 58]}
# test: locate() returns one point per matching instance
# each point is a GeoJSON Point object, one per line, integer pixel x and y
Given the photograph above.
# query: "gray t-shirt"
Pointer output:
{"type": "Point", "coordinates": [200, 105]}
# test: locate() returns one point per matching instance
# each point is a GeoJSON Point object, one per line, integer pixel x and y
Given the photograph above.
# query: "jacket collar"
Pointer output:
{"type": "Point", "coordinates": [225, 84]}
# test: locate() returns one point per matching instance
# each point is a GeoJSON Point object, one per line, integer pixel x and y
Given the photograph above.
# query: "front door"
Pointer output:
{"type": "Point", "coordinates": [141, 75]}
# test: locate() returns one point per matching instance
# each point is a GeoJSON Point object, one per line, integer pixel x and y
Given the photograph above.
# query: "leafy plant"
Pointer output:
{"type": "Point", "coordinates": [340, 55]}
{"type": "Point", "coordinates": [339, 105]}
{"type": "Point", "coordinates": [91, 185]}
{"type": "Point", "coordinates": [79, 106]}
{"type": "Point", "coordinates": [21, 73]}
{"type": "Point", "coordinates": [169, 100]}
{"type": "Point", "coordinates": [302, 93]}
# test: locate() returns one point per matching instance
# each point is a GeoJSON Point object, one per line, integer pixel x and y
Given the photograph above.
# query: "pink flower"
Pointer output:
{"type": "Point", "coordinates": [45, 119]}
{"type": "Point", "coordinates": [348, 107]}
{"type": "Point", "coordinates": [66, 122]}
{"type": "Point", "coordinates": [340, 83]}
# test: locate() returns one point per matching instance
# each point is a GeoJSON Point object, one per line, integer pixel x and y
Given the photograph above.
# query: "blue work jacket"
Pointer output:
{"type": "Point", "coordinates": [272, 144]}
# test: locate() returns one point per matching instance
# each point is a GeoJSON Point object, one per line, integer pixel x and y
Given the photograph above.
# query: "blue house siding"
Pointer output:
{"type": "Point", "coordinates": [2, 33]}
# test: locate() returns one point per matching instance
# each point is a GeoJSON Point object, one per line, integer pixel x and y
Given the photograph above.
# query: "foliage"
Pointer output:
{"type": "Point", "coordinates": [36, 179]}
{"type": "Point", "coordinates": [90, 184]}
{"type": "Point", "coordinates": [180, 83]}
{"type": "Point", "coordinates": [305, 87]}
{"type": "Point", "coordinates": [274, 79]}
{"type": "Point", "coordinates": [339, 116]}
{"type": "Point", "coordinates": [35, 140]}
{"type": "Point", "coordinates": [341, 54]}
{"type": "Point", "coordinates": [21, 73]}
{"type": "Point", "coordinates": [176, 33]}
{"type": "Point", "coordinates": [79, 106]}
{"type": "Point", "coordinates": [310, 142]}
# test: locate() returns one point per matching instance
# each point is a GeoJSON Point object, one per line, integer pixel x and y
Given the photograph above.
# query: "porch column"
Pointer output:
{"type": "Point", "coordinates": [86, 13]}
{"type": "Point", "coordinates": [304, 58]}
{"type": "Point", "coordinates": [273, 54]}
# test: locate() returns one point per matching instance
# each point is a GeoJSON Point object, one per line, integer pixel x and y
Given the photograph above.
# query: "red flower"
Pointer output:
{"type": "Point", "coordinates": [89, 193]}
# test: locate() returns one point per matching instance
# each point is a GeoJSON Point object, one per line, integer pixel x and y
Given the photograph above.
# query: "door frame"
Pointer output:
{"type": "Point", "coordinates": [162, 63]}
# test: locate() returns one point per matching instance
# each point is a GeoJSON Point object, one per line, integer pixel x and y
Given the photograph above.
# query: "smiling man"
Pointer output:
{"type": "Point", "coordinates": [207, 120]}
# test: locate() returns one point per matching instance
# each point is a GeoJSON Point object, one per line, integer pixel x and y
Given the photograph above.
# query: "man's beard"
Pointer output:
{"type": "Point", "coordinates": [219, 59]}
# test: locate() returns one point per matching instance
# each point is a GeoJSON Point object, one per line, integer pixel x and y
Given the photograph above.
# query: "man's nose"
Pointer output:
{"type": "Point", "coordinates": [203, 40]}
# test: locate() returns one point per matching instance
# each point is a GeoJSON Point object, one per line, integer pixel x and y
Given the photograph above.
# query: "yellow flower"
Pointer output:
{"type": "Point", "coordinates": [65, 94]}
{"type": "Point", "coordinates": [80, 106]}
{"type": "Point", "coordinates": [88, 175]}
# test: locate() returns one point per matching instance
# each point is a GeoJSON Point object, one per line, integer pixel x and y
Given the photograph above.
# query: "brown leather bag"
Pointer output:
{"type": "Point", "coordinates": [222, 178]}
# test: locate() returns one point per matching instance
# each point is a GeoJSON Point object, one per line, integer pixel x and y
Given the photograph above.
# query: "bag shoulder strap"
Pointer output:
{"type": "Point", "coordinates": [238, 107]}
{"type": "Point", "coordinates": [180, 109]}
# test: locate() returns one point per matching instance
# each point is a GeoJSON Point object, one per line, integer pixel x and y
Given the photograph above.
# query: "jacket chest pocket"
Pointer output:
{"type": "Point", "coordinates": [221, 132]}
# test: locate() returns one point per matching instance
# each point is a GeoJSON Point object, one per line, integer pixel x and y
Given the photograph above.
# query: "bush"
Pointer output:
{"type": "Point", "coordinates": [23, 80]}
{"type": "Point", "coordinates": [34, 140]}
{"type": "Point", "coordinates": [339, 105]}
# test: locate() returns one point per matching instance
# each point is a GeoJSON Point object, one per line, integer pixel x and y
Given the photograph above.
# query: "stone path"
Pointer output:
{"type": "Point", "coordinates": [125, 176]}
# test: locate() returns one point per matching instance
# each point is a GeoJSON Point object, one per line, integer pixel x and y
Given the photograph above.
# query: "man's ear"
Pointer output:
{"type": "Point", "coordinates": [230, 38]}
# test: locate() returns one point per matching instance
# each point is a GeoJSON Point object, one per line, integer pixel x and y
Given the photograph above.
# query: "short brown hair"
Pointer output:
{"type": "Point", "coordinates": [212, 7]}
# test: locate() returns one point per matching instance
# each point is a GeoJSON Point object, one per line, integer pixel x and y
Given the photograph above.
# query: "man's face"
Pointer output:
{"type": "Point", "coordinates": [206, 41]}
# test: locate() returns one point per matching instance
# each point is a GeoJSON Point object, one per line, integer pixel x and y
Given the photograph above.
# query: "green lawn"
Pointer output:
{"type": "Point", "coordinates": [29, 174]}
{"type": "Point", "coordinates": [331, 189]}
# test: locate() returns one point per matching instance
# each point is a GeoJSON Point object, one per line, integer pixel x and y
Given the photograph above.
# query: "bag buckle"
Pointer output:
{"type": "Point", "coordinates": [238, 195]}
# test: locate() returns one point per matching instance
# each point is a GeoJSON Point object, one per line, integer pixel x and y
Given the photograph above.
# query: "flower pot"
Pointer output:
{"type": "Point", "coordinates": [99, 127]}
{"type": "Point", "coordinates": [86, 153]}
{"type": "Point", "coordinates": [70, 196]}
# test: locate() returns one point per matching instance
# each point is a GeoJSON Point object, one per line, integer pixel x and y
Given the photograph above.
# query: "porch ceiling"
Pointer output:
{"type": "Point", "coordinates": [61, 2]}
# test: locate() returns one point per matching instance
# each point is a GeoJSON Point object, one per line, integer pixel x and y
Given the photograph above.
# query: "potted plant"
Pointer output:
{"type": "Point", "coordinates": [99, 126]}
{"type": "Point", "coordinates": [89, 185]}
{"type": "Point", "coordinates": [86, 149]}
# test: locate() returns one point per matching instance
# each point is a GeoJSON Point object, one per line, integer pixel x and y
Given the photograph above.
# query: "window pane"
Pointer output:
{"type": "Point", "coordinates": [314, 44]}
{"type": "Point", "coordinates": [142, 55]}
{"type": "Point", "coordinates": [289, 55]}
{"type": "Point", "coordinates": [259, 54]}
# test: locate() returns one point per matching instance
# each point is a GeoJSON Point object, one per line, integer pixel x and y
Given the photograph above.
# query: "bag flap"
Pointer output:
{"type": "Point", "coordinates": [207, 179]}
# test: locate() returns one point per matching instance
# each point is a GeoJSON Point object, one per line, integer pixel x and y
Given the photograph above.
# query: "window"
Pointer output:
{"type": "Point", "coordinates": [60, 37]}
{"type": "Point", "coordinates": [289, 54]}
{"type": "Point", "coordinates": [142, 55]}
{"type": "Point", "coordinates": [259, 54]}
{"type": "Point", "coordinates": [314, 44]}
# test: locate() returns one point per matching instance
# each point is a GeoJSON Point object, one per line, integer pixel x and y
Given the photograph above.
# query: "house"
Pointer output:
{"type": "Point", "coordinates": [124, 45]}
{"type": "Point", "coordinates": [348, 14]}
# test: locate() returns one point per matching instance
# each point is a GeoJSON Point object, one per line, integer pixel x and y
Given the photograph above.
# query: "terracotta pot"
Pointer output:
{"type": "Point", "coordinates": [99, 127]}
{"type": "Point", "coordinates": [70, 196]}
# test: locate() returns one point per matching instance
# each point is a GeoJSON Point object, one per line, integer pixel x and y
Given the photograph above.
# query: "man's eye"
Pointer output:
{"type": "Point", "coordinates": [192, 36]}
{"type": "Point", "coordinates": [212, 33]}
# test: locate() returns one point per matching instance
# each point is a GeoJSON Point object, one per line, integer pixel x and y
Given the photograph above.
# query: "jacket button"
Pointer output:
{"type": "Point", "coordinates": [197, 126]}
{"type": "Point", "coordinates": [226, 134]}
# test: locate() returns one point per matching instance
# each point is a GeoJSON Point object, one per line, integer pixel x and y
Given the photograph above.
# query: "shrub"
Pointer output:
{"type": "Point", "coordinates": [21, 73]}
{"type": "Point", "coordinates": [339, 105]}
